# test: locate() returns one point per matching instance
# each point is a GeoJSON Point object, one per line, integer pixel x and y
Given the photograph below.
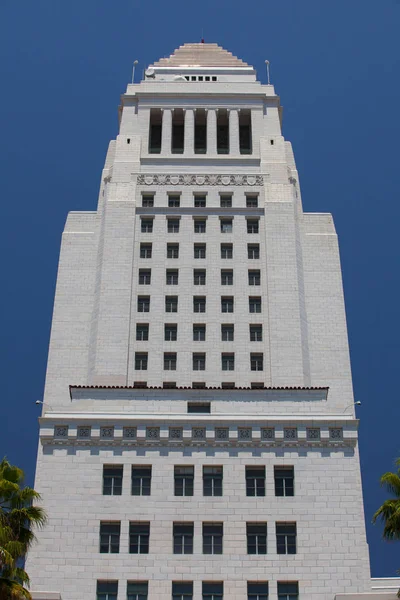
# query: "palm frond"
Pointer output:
{"type": "Point", "coordinates": [391, 481]}
{"type": "Point", "coordinates": [12, 590]}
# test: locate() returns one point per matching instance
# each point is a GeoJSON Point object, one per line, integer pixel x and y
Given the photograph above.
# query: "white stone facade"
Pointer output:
{"type": "Point", "coordinates": [96, 413]}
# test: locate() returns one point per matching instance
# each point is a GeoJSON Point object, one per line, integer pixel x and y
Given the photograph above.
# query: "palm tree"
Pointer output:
{"type": "Point", "coordinates": [389, 512]}
{"type": "Point", "coordinates": [18, 516]}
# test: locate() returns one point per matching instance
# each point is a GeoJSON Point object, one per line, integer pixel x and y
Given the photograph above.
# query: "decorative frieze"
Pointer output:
{"type": "Point", "coordinates": [220, 180]}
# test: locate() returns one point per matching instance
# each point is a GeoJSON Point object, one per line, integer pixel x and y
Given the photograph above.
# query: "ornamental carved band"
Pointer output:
{"type": "Point", "coordinates": [200, 180]}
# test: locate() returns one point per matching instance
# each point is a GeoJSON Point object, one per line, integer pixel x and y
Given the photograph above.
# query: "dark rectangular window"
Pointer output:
{"type": "Point", "coordinates": [174, 201]}
{"type": "Point", "coordinates": [212, 538]}
{"type": "Point", "coordinates": [170, 332]}
{"type": "Point", "coordinates": [256, 538]}
{"type": "Point", "coordinates": [199, 407]}
{"type": "Point", "coordinates": [284, 481]}
{"type": "Point", "coordinates": [109, 537]}
{"type": "Point", "coordinates": [199, 361]}
{"type": "Point", "coordinates": [139, 534]}
{"type": "Point", "coordinates": [252, 225]}
{"type": "Point", "coordinates": [225, 201]}
{"type": "Point", "coordinates": [169, 361]}
{"type": "Point", "coordinates": [226, 250]}
{"type": "Point", "coordinates": [256, 333]}
{"type": "Point", "coordinates": [288, 591]}
{"type": "Point", "coordinates": [143, 303]}
{"type": "Point", "coordinates": [141, 480]}
{"type": "Point", "coordinates": [253, 251]}
{"type": "Point", "coordinates": [199, 304]}
{"type": "Point", "coordinates": [183, 481]}
{"type": "Point", "coordinates": [254, 277]}
{"type": "Point", "coordinates": [222, 131]}
{"type": "Point", "coordinates": [199, 333]}
{"type": "Point", "coordinates": [251, 201]}
{"type": "Point", "coordinates": [146, 225]}
{"type": "Point", "coordinates": [171, 304]}
{"type": "Point", "coordinates": [144, 276]}
{"type": "Point", "coordinates": [228, 361]}
{"type": "Point", "coordinates": [172, 250]}
{"type": "Point", "coordinates": [137, 590]}
{"type": "Point", "coordinates": [182, 590]}
{"type": "Point", "coordinates": [197, 385]}
{"type": "Point", "coordinates": [199, 250]}
{"type": "Point", "coordinates": [199, 277]}
{"type": "Point", "coordinates": [200, 201]}
{"type": "Point", "coordinates": [199, 225]}
{"type": "Point", "coordinates": [227, 304]}
{"type": "Point", "coordinates": [226, 277]}
{"type": "Point", "coordinates": [212, 481]}
{"type": "Point", "coordinates": [212, 590]}
{"type": "Point", "coordinates": [228, 385]}
{"type": "Point", "coordinates": [286, 538]}
{"type": "Point", "coordinates": [148, 200]}
{"type": "Point", "coordinates": [255, 304]}
{"type": "Point", "coordinates": [107, 590]}
{"type": "Point", "coordinates": [226, 225]}
{"type": "Point", "coordinates": [172, 276]}
{"type": "Point", "coordinates": [227, 333]}
{"type": "Point", "coordinates": [178, 131]}
{"type": "Point", "coordinates": [141, 361]}
{"type": "Point", "coordinates": [257, 590]}
{"type": "Point", "coordinates": [256, 361]}
{"type": "Point", "coordinates": [200, 131]}
{"type": "Point", "coordinates": [255, 481]}
{"type": "Point", "coordinates": [155, 131]}
{"type": "Point", "coordinates": [112, 480]}
{"type": "Point", "coordinates": [183, 538]}
{"type": "Point", "coordinates": [173, 225]}
{"type": "Point", "coordinates": [245, 141]}
{"type": "Point", "coordinates": [145, 250]}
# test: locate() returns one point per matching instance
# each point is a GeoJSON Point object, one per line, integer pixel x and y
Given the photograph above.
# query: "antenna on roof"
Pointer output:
{"type": "Point", "coordinates": [133, 70]}
{"type": "Point", "coordinates": [202, 36]}
{"type": "Point", "coordinates": [267, 65]}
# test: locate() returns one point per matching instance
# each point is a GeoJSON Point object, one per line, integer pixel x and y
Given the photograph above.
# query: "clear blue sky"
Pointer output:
{"type": "Point", "coordinates": [63, 66]}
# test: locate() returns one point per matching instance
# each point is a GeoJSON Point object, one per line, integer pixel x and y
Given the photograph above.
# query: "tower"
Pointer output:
{"type": "Point", "coordinates": [198, 438]}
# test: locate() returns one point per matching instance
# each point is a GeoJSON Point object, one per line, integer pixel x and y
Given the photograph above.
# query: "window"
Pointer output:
{"type": "Point", "coordinates": [199, 250]}
{"type": "Point", "coordinates": [199, 304]}
{"type": "Point", "coordinates": [253, 251]}
{"type": "Point", "coordinates": [172, 276]}
{"type": "Point", "coordinates": [197, 385]}
{"type": "Point", "coordinates": [212, 538]}
{"type": "Point", "coordinates": [199, 333]}
{"type": "Point", "coordinates": [141, 361]}
{"type": "Point", "coordinates": [178, 131]}
{"type": "Point", "coordinates": [109, 537]}
{"type": "Point", "coordinates": [146, 225]}
{"type": "Point", "coordinates": [183, 538]}
{"type": "Point", "coordinates": [199, 407]}
{"type": "Point", "coordinates": [256, 333]}
{"type": "Point", "coordinates": [256, 538]}
{"type": "Point", "coordinates": [228, 385]}
{"type": "Point", "coordinates": [255, 481]}
{"type": "Point", "coordinates": [199, 277]}
{"type": "Point", "coordinates": [155, 131]}
{"type": "Point", "coordinates": [251, 201]}
{"type": "Point", "coordinates": [200, 201]}
{"type": "Point", "coordinates": [107, 590]}
{"type": "Point", "coordinates": [257, 385]}
{"type": "Point", "coordinates": [226, 225]}
{"type": "Point", "coordinates": [254, 277]}
{"type": "Point", "coordinates": [286, 538]}
{"type": "Point", "coordinates": [227, 304]}
{"type": "Point", "coordinates": [255, 304]}
{"type": "Point", "coordinates": [212, 590]}
{"type": "Point", "coordinates": [112, 480]}
{"type": "Point", "coordinates": [200, 225]}
{"type": "Point", "coordinates": [227, 333]}
{"type": "Point", "coordinates": [222, 131]}
{"type": "Point", "coordinates": [182, 590]}
{"type": "Point", "coordinates": [288, 591]}
{"type": "Point", "coordinates": [252, 225]}
{"type": "Point", "coordinates": [174, 201]}
{"type": "Point", "coordinates": [141, 480]}
{"type": "Point", "coordinates": [172, 250]}
{"type": "Point", "coordinates": [257, 590]}
{"type": "Point", "coordinates": [139, 534]}
{"type": "Point", "coordinates": [169, 361]}
{"type": "Point", "coordinates": [169, 385]}
{"type": "Point", "coordinates": [212, 481]}
{"type": "Point", "coordinates": [144, 276]}
{"type": "Point", "coordinates": [171, 304]}
{"type": "Point", "coordinates": [228, 362]}
{"type": "Point", "coordinates": [225, 201]}
{"type": "Point", "coordinates": [245, 141]}
{"type": "Point", "coordinates": [142, 332]}
{"type": "Point", "coordinates": [147, 200]}
{"type": "Point", "coordinates": [226, 250]}
{"type": "Point", "coordinates": [226, 277]}
{"type": "Point", "coordinates": [200, 131]}
{"type": "Point", "coordinates": [256, 361]}
{"type": "Point", "coordinates": [199, 361]}
{"type": "Point", "coordinates": [145, 250]}
{"type": "Point", "coordinates": [183, 481]}
{"type": "Point", "coordinates": [284, 481]}
{"type": "Point", "coordinates": [173, 225]}
{"type": "Point", "coordinates": [170, 332]}
{"type": "Point", "coordinates": [137, 590]}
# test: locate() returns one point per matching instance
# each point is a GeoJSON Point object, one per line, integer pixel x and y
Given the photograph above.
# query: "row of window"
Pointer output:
{"type": "Point", "coordinates": [200, 251]}
{"type": "Point", "coordinates": [199, 225]}
{"type": "Point", "coordinates": [199, 332]}
{"type": "Point", "coordinates": [199, 361]}
{"type": "Point", "coordinates": [200, 200]}
{"type": "Point", "coordinates": [199, 277]}
{"type": "Point", "coordinates": [199, 304]}
{"type": "Point", "coordinates": [211, 590]}
{"type": "Point", "coordinates": [141, 475]}
{"type": "Point", "coordinates": [183, 537]}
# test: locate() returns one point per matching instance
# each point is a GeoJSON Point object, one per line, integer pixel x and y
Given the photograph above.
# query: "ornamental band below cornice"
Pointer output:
{"type": "Point", "coordinates": [161, 179]}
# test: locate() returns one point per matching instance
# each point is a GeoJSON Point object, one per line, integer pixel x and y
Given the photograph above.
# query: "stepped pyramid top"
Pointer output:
{"type": "Point", "coordinates": [201, 55]}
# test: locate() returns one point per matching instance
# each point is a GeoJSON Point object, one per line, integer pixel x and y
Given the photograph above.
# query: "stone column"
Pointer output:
{"type": "Point", "coordinates": [211, 131]}
{"type": "Point", "coordinates": [189, 132]}
{"type": "Point", "coordinates": [166, 132]}
{"type": "Point", "coordinates": [234, 148]}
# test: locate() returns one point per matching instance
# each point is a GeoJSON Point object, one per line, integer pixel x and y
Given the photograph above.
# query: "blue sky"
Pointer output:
{"type": "Point", "coordinates": [63, 66]}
